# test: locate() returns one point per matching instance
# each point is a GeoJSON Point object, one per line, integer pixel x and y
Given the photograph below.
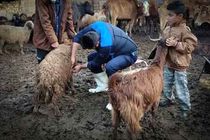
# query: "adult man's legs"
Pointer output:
{"type": "Point", "coordinates": [119, 63]}
{"type": "Point", "coordinates": [100, 76]}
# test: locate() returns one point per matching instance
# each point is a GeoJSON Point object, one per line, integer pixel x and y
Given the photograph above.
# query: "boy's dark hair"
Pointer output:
{"type": "Point", "coordinates": [177, 7]}
{"type": "Point", "coordinates": [89, 40]}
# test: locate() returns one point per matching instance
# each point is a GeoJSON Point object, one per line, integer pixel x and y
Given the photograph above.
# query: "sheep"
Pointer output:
{"type": "Point", "coordinates": [54, 74]}
{"type": "Point", "coordinates": [11, 34]}
{"type": "Point", "coordinates": [89, 19]}
{"type": "Point", "coordinates": [135, 92]}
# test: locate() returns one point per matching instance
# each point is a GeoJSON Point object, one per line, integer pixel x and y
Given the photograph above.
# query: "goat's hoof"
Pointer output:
{"type": "Point", "coordinates": [45, 110]}
{"type": "Point", "coordinates": [58, 113]}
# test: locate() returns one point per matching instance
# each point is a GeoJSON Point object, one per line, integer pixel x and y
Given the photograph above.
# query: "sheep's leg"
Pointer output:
{"type": "Point", "coordinates": [71, 85]}
{"type": "Point", "coordinates": [58, 92]}
{"type": "Point", "coordinates": [21, 48]}
{"type": "Point", "coordinates": [115, 123]}
{"type": "Point", "coordinates": [36, 105]}
{"type": "Point", "coordinates": [37, 102]}
{"type": "Point", "coordinates": [1, 46]}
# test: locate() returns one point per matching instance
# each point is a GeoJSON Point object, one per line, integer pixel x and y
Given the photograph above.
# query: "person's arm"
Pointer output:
{"type": "Point", "coordinates": [78, 67]}
{"type": "Point", "coordinates": [45, 21]}
{"type": "Point", "coordinates": [81, 33]}
{"type": "Point", "coordinates": [69, 23]}
{"type": "Point", "coordinates": [184, 46]}
{"type": "Point", "coordinates": [188, 43]}
{"type": "Point", "coordinates": [101, 58]}
{"type": "Point", "coordinates": [75, 47]}
{"type": "Point", "coordinates": [76, 44]}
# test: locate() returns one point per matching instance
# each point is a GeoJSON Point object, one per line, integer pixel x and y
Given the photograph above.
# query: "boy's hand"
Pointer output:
{"type": "Point", "coordinates": [172, 42]}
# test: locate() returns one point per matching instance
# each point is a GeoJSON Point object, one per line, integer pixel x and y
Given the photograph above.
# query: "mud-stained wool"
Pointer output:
{"type": "Point", "coordinates": [53, 75]}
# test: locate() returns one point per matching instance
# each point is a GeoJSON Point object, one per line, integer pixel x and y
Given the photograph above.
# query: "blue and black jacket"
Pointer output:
{"type": "Point", "coordinates": [113, 41]}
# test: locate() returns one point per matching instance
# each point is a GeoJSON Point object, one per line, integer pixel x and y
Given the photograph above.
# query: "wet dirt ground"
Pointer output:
{"type": "Point", "coordinates": [84, 116]}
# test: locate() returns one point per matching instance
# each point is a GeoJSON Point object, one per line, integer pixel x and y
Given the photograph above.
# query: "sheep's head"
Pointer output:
{"type": "Point", "coordinates": [86, 20]}
{"type": "Point", "coordinates": [29, 24]}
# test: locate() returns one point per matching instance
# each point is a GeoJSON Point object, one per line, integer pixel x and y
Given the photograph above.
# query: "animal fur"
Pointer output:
{"type": "Point", "coordinates": [53, 75]}
{"type": "Point", "coordinates": [12, 34]}
{"type": "Point", "coordinates": [121, 9]}
{"type": "Point", "coordinates": [135, 92]}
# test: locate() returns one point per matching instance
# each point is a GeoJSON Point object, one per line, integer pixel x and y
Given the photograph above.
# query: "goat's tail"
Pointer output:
{"type": "Point", "coordinates": [130, 111]}
{"type": "Point", "coordinates": [131, 114]}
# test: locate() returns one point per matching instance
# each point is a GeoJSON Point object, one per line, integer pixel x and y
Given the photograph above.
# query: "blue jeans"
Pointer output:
{"type": "Point", "coordinates": [41, 55]}
{"type": "Point", "coordinates": [113, 64]}
{"type": "Point", "coordinates": [179, 79]}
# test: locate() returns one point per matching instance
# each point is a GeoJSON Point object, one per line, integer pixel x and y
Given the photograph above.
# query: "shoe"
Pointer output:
{"type": "Point", "coordinates": [109, 106]}
{"type": "Point", "coordinates": [101, 82]}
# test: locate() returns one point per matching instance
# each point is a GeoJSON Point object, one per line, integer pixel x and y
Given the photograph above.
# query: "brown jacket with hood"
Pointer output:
{"type": "Point", "coordinates": [179, 57]}
{"type": "Point", "coordinates": [44, 34]}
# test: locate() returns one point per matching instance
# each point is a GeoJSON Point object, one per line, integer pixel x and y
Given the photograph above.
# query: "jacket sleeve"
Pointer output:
{"type": "Point", "coordinates": [45, 21]}
{"type": "Point", "coordinates": [69, 23]}
{"type": "Point", "coordinates": [187, 44]}
{"type": "Point", "coordinates": [81, 33]}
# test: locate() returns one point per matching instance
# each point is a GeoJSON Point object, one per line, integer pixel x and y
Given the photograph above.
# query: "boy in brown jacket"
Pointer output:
{"type": "Point", "coordinates": [181, 42]}
{"type": "Point", "coordinates": [52, 19]}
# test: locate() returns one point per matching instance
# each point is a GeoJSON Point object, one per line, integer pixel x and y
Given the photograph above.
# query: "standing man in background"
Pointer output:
{"type": "Point", "coordinates": [52, 19]}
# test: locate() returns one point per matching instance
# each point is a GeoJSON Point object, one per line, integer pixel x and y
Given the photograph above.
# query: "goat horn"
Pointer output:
{"type": "Point", "coordinates": [155, 39]}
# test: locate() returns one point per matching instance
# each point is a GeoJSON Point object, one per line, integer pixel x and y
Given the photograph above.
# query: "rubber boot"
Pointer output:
{"type": "Point", "coordinates": [101, 82]}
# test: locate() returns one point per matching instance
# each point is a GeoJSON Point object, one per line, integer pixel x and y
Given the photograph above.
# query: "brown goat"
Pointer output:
{"type": "Point", "coordinates": [53, 75]}
{"type": "Point", "coordinates": [121, 9]}
{"type": "Point", "coordinates": [135, 92]}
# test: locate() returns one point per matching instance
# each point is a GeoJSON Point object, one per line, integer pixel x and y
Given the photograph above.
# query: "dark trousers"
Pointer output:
{"type": "Point", "coordinates": [40, 55]}
{"type": "Point", "coordinates": [113, 64]}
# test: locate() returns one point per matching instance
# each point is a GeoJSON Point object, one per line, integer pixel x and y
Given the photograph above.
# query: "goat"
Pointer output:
{"type": "Point", "coordinates": [135, 92]}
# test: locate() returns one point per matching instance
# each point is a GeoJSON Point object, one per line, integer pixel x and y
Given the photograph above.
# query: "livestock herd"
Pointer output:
{"type": "Point", "coordinates": [131, 103]}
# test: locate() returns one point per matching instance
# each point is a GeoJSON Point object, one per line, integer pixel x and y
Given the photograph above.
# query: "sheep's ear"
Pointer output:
{"type": "Point", "coordinates": [29, 25]}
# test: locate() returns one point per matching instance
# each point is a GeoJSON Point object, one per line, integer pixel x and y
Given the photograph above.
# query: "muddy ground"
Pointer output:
{"type": "Point", "coordinates": [84, 115]}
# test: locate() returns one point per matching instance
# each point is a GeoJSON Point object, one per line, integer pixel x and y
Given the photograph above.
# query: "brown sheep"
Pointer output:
{"type": "Point", "coordinates": [135, 92]}
{"type": "Point", "coordinates": [53, 75]}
